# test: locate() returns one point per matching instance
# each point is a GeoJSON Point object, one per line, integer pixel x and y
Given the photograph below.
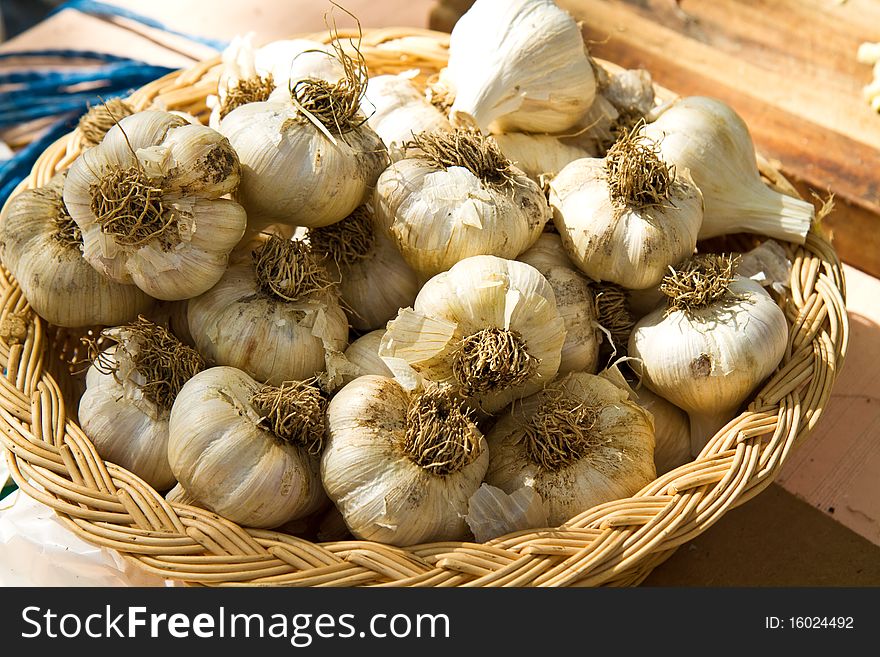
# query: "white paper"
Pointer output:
{"type": "Point", "coordinates": [36, 549]}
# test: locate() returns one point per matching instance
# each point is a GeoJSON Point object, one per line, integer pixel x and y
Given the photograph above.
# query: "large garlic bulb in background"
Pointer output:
{"type": "Point", "coordinates": [626, 218]}
{"type": "Point", "coordinates": [539, 155]}
{"type": "Point", "coordinates": [148, 200]}
{"type": "Point", "coordinates": [400, 466]}
{"type": "Point", "coordinates": [489, 327]}
{"type": "Point", "coordinates": [277, 318]}
{"type": "Point", "coordinates": [707, 137]}
{"type": "Point", "coordinates": [130, 389]}
{"type": "Point", "coordinates": [249, 74]}
{"type": "Point", "coordinates": [373, 280]}
{"type": "Point", "coordinates": [579, 442]}
{"type": "Point", "coordinates": [456, 196]}
{"type": "Point", "coordinates": [308, 159]}
{"type": "Point", "coordinates": [363, 357]}
{"type": "Point", "coordinates": [246, 451]}
{"type": "Point", "coordinates": [672, 432]}
{"type": "Point", "coordinates": [42, 247]}
{"type": "Point", "coordinates": [719, 336]}
{"type": "Point", "coordinates": [397, 111]}
{"type": "Point", "coordinates": [574, 300]}
{"type": "Point", "coordinates": [519, 65]}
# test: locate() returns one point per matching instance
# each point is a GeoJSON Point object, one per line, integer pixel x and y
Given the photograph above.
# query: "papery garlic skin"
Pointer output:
{"type": "Point", "coordinates": [493, 513]}
{"type": "Point", "coordinates": [574, 300]}
{"type": "Point", "coordinates": [194, 167]}
{"type": "Point", "coordinates": [707, 137]}
{"type": "Point", "coordinates": [58, 283]}
{"type": "Point", "coordinates": [222, 456]}
{"type": "Point", "coordinates": [709, 360]}
{"type": "Point", "coordinates": [397, 110]}
{"type": "Point", "coordinates": [630, 247]}
{"type": "Point", "coordinates": [539, 155]}
{"type": "Point", "coordinates": [124, 426]}
{"type": "Point", "coordinates": [482, 292]}
{"type": "Point", "coordinates": [439, 217]}
{"type": "Point", "coordinates": [672, 433]}
{"type": "Point", "coordinates": [384, 495]}
{"type": "Point", "coordinates": [363, 354]}
{"type": "Point", "coordinates": [292, 173]}
{"type": "Point", "coordinates": [618, 465]}
{"type": "Point", "coordinates": [519, 65]}
{"type": "Point", "coordinates": [272, 340]}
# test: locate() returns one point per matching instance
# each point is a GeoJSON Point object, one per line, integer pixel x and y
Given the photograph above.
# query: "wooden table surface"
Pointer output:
{"type": "Point", "coordinates": [789, 67]}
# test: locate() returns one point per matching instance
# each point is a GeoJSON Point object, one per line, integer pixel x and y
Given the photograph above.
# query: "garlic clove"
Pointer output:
{"type": "Point", "coordinates": [538, 155]}
{"type": "Point", "coordinates": [493, 513]}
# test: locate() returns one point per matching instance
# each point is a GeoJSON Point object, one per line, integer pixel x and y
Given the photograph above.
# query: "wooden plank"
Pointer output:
{"type": "Point", "coordinates": [813, 153]}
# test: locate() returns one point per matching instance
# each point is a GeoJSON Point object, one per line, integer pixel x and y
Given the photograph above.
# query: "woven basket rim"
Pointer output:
{"type": "Point", "coordinates": [618, 543]}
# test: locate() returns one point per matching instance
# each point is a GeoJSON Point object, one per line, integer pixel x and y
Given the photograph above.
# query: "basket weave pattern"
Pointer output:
{"type": "Point", "coordinates": [618, 543]}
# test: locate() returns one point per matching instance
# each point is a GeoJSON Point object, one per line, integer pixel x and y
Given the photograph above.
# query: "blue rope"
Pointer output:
{"type": "Point", "coordinates": [103, 9]}
{"type": "Point", "coordinates": [42, 93]}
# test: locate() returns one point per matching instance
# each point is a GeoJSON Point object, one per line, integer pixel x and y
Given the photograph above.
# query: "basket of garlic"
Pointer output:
{"type": "Point", "coordinates": [405, 308]}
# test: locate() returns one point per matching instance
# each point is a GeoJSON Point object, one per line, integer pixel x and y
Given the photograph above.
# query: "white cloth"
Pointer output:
{"type": "Point", "coordinates": [36, 549]}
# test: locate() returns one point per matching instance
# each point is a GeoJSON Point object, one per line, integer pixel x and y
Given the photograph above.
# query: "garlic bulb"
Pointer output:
{"type": "Point", "coordinates": [719, 336]}
{"type": "Point", "coordinates": [596, 130]}
{"type": "Point", "coordinates": [519, 65]}
{"type": "Point", "coordinates": [489, 326]}
{"type": "Point", "coordinates": [707, 137]}
{"type": "Point", "coordinates": [456, 196]}
{"type": "Point", "coordinates": [672, 433]}
{"type": "Point", "coordinates": [641, 302]}
{"type": "Point", "coordinates": [308, 159]}
{"type": "Point", "coordinates": [627, 217]}
{"type": "Point", "coordinates": [363, 354]}
{"type": "Point", "coordinates": [147, 200]}
{"type": "Point", "coordinates": [575, 302]}
{"type": "Point", "coordinates": [397, 111]}
{"type": "Point", "coordinates": [249, 74]}
{"type": "Point", "coordinates": [41, 246]}
{"type": "Point", "coordinates": [538, 155]}
{"type": "Point", "coordinates": [401, 466]}
{"type": "Point", "coordinates": [579, 442]}
{"type": "Point", "coordinates": [248, 451]}
{"type": "Point", "coordinates": [276, 318]}
{"type": "Point", "coordinates": [130, 388]}
{"type": "Point", "coordinates": [493, 513]}
{"type": "Point", "coordinates": [632, 93]}
{"type": "Point", "coordinates": [358, 256]}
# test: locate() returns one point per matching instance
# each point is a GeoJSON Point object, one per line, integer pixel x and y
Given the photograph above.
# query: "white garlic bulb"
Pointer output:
{"type": "Point", "coordinates": [248, 451]}
{"type": "Point", "coordinates": [672, 432]}
{"type": "Point", "coordinates": [147, 200]}
{"type": "Point", "coordinates": [397, 110]}
{"type": "Point", "coordinates": [538, 155]}
{"type": "Point", "coordinates": [373, 279]}
{"type": "Point", "coordinates": [493, 513]}
{"type": "Point", "coordinates": [401, 466]}
{"type": "Point", "coordinates": [276, 318]}
{"type": "Point", "coordinates": [575, 302]}
{"type": "Point", "coordinates": [363, 354]}
{"type": "Point", "coordinates": [249, 74]}
{"type": "Point", "coordinates": [519, 65]}
{"type": "Point", "coordinates": [308, 159]}
{"type": "Point", "coordinates": [488, 326]}
{"type": "Point", "coordinates": [579, 442]}
{"type": "Point", "coordinates": [457, 196]}
{"type": "Point", "coordinates": [717, 339]}
{"type": "Point", "coordinates": [130, 389]}
{"type": "Point", "coordinates": [707, 137]}
{"type": "Point", "coordinates": [627, 217]}
{"type": "Point", "coordinates": [41, 246]}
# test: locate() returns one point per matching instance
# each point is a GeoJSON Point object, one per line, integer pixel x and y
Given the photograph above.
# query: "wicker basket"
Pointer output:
{"type": "Point", "coordinates": [617, 543]}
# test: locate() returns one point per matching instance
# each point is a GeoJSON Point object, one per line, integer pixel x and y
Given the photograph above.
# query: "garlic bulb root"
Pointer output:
{"type": "Point", "coordinates": [95, 123]}
{"type": "Point", "coordinates": [293, 411]}
{"type": "Point", "coordinates": [491, 358]}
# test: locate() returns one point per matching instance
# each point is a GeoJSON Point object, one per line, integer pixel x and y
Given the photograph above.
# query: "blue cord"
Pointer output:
{"type": "Point", "coordinates": [42, 93]}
